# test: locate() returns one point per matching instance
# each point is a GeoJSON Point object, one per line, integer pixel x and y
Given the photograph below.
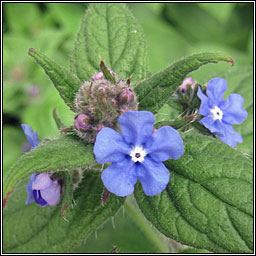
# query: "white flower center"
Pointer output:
{"type": "Point", "coordinates": [137, 154]}
{"type": "Point", "coordinates": [217, 114]}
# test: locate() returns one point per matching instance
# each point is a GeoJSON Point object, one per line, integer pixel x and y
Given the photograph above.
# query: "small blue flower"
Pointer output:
{"type": "Point", "coordinates": [221, 114]}
{"type": "Point", "coordinates": [137, 154]}
{"type": "Point", "coordinates": [42, 188]}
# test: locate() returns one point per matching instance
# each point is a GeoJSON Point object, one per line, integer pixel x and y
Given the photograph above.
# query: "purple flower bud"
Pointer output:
{"type": "Point", "coordinates": [114, 102]}
{"type": "Point", "coordinates": [98, 76]}
{"type": "Point", "coordinates": [82, 122]}
{"type": "Point", "coordinates": [43, 190]}
{"type": "Point", "coordinates": [103, 88]}
{"type": "Point", "coordinates": [185, 84]}
{"type": "Point", "coordinates": [126, 96]}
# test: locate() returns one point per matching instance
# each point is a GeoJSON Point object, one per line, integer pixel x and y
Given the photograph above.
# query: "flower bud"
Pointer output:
{"type": "Point", "coordinates": [103, 88]}
{"type": "Point", "coordinates": [99, 127]}
{"type": "Point", "coordinates": [126, 96]}
{"type": "Point", "coordinates": [100, 102]}
{"type": "Point", "coordinates": [82, 122]}
{"type": "Point", "coordinates": [185, 84]}
{"type": "Point", "coordinates": [98, 76]}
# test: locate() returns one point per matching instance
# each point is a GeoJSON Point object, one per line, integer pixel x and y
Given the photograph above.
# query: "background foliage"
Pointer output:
{"type": "Point", "coordinates": [172, 30]}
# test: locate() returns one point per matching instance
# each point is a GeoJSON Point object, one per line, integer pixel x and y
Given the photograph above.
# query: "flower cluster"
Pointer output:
{"type": "Point", "coordinates": [42, 188]}
{"type": "Point", "coordinates": [100, 102]}
{"type": "Point", "coordinates": [137, 154]}
{"type": "Point", "coordinates": [220, 115]}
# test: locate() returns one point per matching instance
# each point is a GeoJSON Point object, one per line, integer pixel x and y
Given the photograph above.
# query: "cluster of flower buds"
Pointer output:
{"type": "Point", "coordinates": [100, 102]}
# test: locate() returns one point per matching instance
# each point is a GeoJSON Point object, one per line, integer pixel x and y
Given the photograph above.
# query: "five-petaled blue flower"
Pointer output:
{"type": "Point", "coordinates": [221, 114]}
{"type": "Point", "coordinates": [42, 188]}
{"type": "Point", "coordinates": [137, 154]}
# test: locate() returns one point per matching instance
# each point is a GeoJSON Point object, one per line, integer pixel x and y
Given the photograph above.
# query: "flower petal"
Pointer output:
{"type": "Point", "coordinates": [120, 178]}
{"type": "Point", "coordinates": [231, 137]}
{"type": "Point", "coordinates": [215, 126]}
{"type": "Point", "coordinates": [154, 176]}
{"type": "Point", "coordinates": [38, 199]}
{"type": "Point", "coordinates": [136, 126]}
{"type": "Point", "coordinates": [30, 198]}
{"type": "Point", "coordinates": [31, 135]}
{"type": "Point", "coordinates": [33, 176]}
{"type": "Point", "coordinates": [166, 143]}
{"type": "Point", "coordinates": [42, 181]}
{"type": "Point", "coordinates": [216, 88]}
{"type": "Point", "coordinates": [52, 194]}
{"type": "Point", "coordinates": [204, 107]}
{"type": "Point", "coordinates": [233, 110]}
{"type": "Point", "coordinates": [110, 147]}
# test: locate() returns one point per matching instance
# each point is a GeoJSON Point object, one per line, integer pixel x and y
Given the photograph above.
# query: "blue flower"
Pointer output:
{"type": "Point", "coordinates": [31, 135]}
{"type": "Point", "coordinates": [42, 188]}
{"type": "Point", "coordinates": [137, 154]}
{"type": "Point", "coordinates": [221, 114]}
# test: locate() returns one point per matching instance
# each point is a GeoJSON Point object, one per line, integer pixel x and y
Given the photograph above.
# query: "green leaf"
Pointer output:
{"type": "Point", "coordinates": [107, 73]}
{"type": "Point", "coordinates": [61, 154]}
{"type": "Point", "coordinates": [66, 83]}
{"type": "Point", "coordinates": [57, 120]}
{"type": "Point", "coordinates": [35, 229]}
{"type": "Point", "coordinates": [155, 91]}
{"type": "Point", "coordinates": [209, 200]}
{"type": "Point", "coordinates": [109, 33]}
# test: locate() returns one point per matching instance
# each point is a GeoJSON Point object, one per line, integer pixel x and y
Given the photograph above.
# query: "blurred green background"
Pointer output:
{"type": "Point", "coordinates": [172, 31]}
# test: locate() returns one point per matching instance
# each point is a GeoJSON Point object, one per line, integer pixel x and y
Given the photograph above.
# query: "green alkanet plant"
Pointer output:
{"type": "Point", "coordinates": [190, 185]}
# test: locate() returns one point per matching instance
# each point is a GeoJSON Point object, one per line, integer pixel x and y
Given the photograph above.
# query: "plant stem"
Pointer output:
{"type": "Point", "coordinates": [134, 212]}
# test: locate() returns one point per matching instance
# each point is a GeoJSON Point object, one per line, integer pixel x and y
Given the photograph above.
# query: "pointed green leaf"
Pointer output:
{"type": "Point", "coordinates": [63, 153]}
{"type": "Point", "coordinates": [110, 33]}
{"type": "Point", "coordinates": [107, 73]}
{"type": "Point", "coordinates": [57, 120]}
{"type": "Point", "coordinates": [35, 229]}
{"type": "Point", "coordinates": [66, 83]}
{"type": "Point", "coordinates": [157, 90]}
{"type": "Point", "coordinates": [209, 200]}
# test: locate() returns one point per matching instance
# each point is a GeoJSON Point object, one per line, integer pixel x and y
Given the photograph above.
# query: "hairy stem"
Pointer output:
{"type": "Point", "coordinates": [134, 212]}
